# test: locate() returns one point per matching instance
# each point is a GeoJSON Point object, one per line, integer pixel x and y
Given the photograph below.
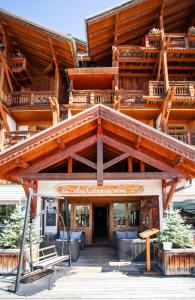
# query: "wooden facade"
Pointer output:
{"type": "Point", "coordinates": [116, 114]}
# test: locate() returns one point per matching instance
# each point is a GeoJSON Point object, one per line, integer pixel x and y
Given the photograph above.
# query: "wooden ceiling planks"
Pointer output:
{"type": "Point", "coordinates": [26, 33]}
{"type": "Point", "coordinates": [134, 19]}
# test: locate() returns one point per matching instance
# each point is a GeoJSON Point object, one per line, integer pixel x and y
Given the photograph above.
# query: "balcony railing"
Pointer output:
{"type": "Point", "coordinates": [91, 97]}
{"type": "Point", "coordinates": [21, 68]}
{"type": "Point", "coordinates": [182, 88]}
{"type": "Point", "coordinates": [184, 136]}
{"type": "Point", "coordinates": [40, 98]}
{"type": "Point", "coordinates": [176, 40]}
{"type": "Point", "coordinates": [14, 137]}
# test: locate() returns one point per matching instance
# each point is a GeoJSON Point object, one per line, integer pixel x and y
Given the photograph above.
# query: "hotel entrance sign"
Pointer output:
{"type": "Point", "coordinates": [94, 190]}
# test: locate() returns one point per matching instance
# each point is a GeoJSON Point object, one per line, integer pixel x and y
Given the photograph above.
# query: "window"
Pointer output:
{"type": "Point", "coordinates": [133, 214]}
{"type": "Point", "coordinates": [82, 216]}
{"type": "Point", "coordinates": [119, 214]}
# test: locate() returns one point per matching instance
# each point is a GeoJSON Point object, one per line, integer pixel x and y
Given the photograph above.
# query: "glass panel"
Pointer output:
{"type": "Point", "coordinates": [119, 214]}
{"type": "Point", "coordinates": [82, 216]}
{"type": "Point", "coordinates": [133, 214]}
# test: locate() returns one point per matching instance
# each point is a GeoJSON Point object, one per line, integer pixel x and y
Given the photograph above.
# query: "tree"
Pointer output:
{"type": "Point", "coordinates": [11, 236]}
{"type": "Point", "coordinates": [176, 231]}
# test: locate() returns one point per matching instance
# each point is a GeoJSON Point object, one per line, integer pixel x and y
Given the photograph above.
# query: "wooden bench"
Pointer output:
{"type": "Point", "coordinates": [49, 259]}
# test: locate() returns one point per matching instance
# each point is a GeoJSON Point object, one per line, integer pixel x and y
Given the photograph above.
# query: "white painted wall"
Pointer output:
{"type": "Point", "coordinates": [12, 194]}
{"type": "Point", "coordinates": [151, 188]}
{"type": "Point", "coordinates": [11, 123]}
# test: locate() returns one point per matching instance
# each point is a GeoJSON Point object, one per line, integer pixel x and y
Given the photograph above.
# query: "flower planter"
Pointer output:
{"type": "Point", "coordinates": [9, 259]}
{"type": "Point", "coordinates": [167, 246]}
{"type": "Point", "coordinates": [175, 261]}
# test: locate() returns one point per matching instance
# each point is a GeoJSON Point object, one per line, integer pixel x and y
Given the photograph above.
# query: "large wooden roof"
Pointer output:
{"type": "Point", "coordinates": [77, 137]}
{"type": "Point", "coordinates": [129, 22]}
{"type": "Point", "coordinates": [35, 41]}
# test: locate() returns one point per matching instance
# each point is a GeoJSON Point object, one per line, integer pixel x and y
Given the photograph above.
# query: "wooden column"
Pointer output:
{"type": "Point", "coordinates": [70, 165]}
{"type": "Point", "coordinates": [99, 154]}
{"type": "Point", "coordinates": [130, 164]}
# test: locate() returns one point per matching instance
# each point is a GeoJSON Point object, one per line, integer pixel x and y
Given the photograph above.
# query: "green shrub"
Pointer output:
{"type": "Point", "coordinates": [176, 231]}
{"type": "Point", "coordinates": [11, 236]}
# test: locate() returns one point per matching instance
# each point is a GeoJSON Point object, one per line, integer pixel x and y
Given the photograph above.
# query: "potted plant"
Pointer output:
{"type": "Point", "coordinates": [154, 31]}
{"type": "Point", "coordinates": [10, 241]}
{"type": "Point", "coordinates": [191, 30]}
{"type": "Point", "coordinates": [176, 232]}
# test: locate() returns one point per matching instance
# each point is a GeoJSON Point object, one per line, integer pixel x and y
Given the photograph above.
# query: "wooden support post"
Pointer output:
{"type": "Point", "coordinates": [99, 154]}
{"type": "Point", "coordinates": [142, 166]}
{"type": "Point", "coordinates": [71, 91]}
{"type": "Point", "coordinates": [2, 72]}
{"type": "Point", "coordinates": [170, 194]}
{"type": "Point", "coordinates": [70, 164]}
{"type": "Point", "coordinates": [148, 263]}
{"type": "Point", "coordinates": [57, 70]}
{"type": "Point", "coordinates": [130, 164]}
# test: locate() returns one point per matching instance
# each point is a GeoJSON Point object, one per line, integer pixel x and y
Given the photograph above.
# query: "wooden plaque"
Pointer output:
{"type": "Point", "coordinates": [82, 190]}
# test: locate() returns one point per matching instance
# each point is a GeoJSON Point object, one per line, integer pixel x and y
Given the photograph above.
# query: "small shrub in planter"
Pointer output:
{"type": "Point", "coordinates": [155, 31]}
{"type": "Point", "coordinates": [177, 232]}
{"type": "Point", "coordinates": [11, 236]}
{"type": "Point", "coordinates": [191, 30]}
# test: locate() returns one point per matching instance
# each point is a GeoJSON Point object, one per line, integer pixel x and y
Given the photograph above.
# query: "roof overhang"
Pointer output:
{"type": "Point", "coordinates": [129, 22]}
{"type": "Point", "coordinates": [124, 133]}
{"type": "Point", "coordinates": [35, 40]}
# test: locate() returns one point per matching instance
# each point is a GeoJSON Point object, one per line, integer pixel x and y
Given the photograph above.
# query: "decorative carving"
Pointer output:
{"type": "Point", "coordinates": [58, 131]}
{"type": "Point", "coordinates": [148, 133]}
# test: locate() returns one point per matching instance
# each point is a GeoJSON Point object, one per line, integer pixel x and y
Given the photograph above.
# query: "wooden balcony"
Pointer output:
{"type": "Point", "coordinates": [91, 97]}
{"type": "Point", "coordinates": [21, 69]}
{"type": "Point", "coordinates": [184, 136]}
{"type": "Point", "coordinates": [182, 88]}
{"type": "Point", "coordinates": [31, 98]}
{"type": "Point", "coordinates": [184, 92]}
{"type": "Point", "coordinates": [14, 137]}
{"type": "Point", "coordinates": [175, 40]}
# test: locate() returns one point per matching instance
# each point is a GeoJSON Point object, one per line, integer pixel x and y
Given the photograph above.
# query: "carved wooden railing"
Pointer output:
{"type": "Point", "coordinates": [182, 88]}
{"type": "Point", "coordinates": [131, 97]}
{"type": "Point", "coordinates": [91, 97]}
{"type": "Point", "coordinates": [18, 63]}
{"type": "Point", "coordinates": [175, 40]}
{"type": "Point", "coordinates": [14, 137]}
{"type": "Point", "coordinates": [39, 98]}
{"type": "Point", "coordinates": [184, 136]}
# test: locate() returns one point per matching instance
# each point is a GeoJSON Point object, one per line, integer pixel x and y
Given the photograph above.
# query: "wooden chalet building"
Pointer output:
{"type": "Point", "coordinates": [109, 124]}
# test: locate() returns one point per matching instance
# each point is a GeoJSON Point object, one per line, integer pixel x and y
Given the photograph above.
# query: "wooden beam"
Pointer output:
{"type": "Point", "coordinates": [99, 153]}
{"type": "Point", "coordinates": [142, 166]}
{"type": "Point", "coordinates": [22, 163]}
{"type": "Point", "coordinates": [2, 112]}
{"type": "Point", "coordinates": [60, 143]}
{"type": "Point", "coordinates": [115, 160]}
{"type": "Point", "coordinates": [70, 164]}
{"type": "Point", "coordinates": [138, 142]}
{"type": "Point", "coordinates": [93, 176]}
{"type": "Point", "coordinates": [2, 72]}
{"type": "Point", "coordinates": [166, 108]}
{"type": "Point", "coordinates": [178, 161]}
{"type": "Point", "coordinates": [53, 159]}
{"type": "Point", "coordinates": [130, 164]}
{"type": "Point", "coordinates": [139, 155]}
{"type": "Point", "coordinates": [168, 183]}
{"type": "Point", "coordinates": [57, 70]}
{"type": "Point", "coordinates": [170, 194]}
{"type": "Point", "coordinates": [84, 161]}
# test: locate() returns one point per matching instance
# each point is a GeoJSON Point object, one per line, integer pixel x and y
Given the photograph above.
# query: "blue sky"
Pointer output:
{"type": "Point", "coordinates": [66, 16]}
